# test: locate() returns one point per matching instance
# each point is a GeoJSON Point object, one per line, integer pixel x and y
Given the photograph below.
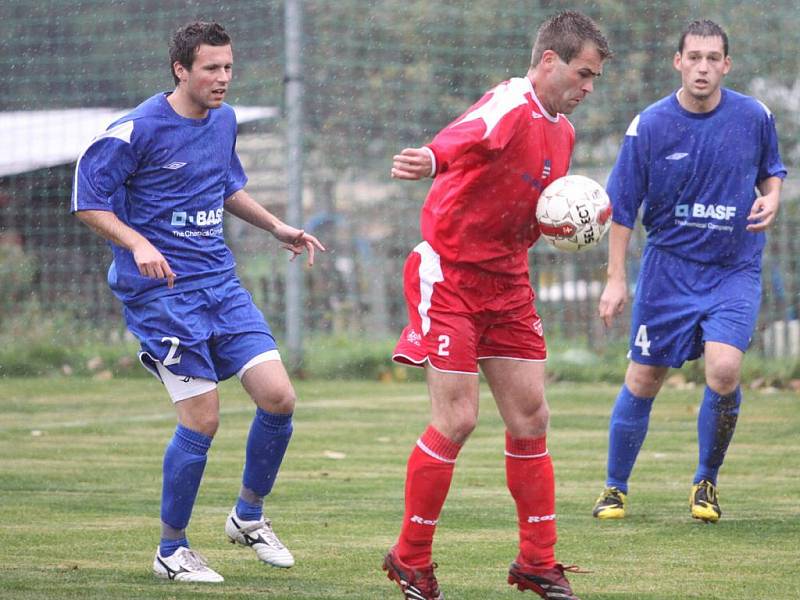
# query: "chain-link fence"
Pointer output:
{"type": "Point", "coordinates": [379, 75]}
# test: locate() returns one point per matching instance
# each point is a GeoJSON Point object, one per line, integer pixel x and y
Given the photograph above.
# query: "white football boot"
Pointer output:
{"type": "Point", "coordinates": [185, 565]}
{"type": "Point", "coordinates": [259, 536]}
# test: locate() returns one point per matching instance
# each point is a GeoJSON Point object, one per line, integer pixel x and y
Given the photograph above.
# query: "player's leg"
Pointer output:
{"type": "Point", "coordinates": [243, 345]}
{"type": "Point", "coordinates": [630, 418]}
{"type": "Point", "coordinates": [454, 414]}
{"type": "Point", "coordinates": [441, 335]}
{"type": "Point", "coordinates": [171, 330]}
{"type": "Point", "coordinates": [267, 383]}
{"type": "Point", "coordinates": [664, 332]}
{"type": "Point", "coordinates": [732, 313]}
{"type": "Point", "coordinates": [716, 422]}
{"type": "Point", "coordinates": [184, 462]}
{"type": "Point", "coordinates": [518, 389]}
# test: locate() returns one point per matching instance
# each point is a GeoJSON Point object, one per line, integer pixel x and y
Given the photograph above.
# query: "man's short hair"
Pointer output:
{"type": "Point", "coordinates": [565, 34]}
{"type": "Point", "coordinates": [187, 39]}
{"type": "Point", "coordinates": [704, 28]}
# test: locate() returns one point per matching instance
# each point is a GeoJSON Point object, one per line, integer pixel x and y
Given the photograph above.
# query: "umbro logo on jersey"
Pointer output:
{"type": "Point", "coordinates": [535, 115]}
{"type": "Point", "coordinates": [174, 166]}
{"type": "Point", "coordinates": [678, 156]}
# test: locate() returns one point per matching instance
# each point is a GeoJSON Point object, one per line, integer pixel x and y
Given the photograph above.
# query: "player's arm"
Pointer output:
{"type": "Point", "coordinates": [100, 173]}
{"type": "Point", "coordinates": [627, 185]}
{"type": "Point", "coordinates": [765, 207]}
{"type": "Point", "coordinates": [489, 123]}
{"type": "Point", "coordinates": [147, 258]}
{"type": "Point", "coordinates": [615, 294]}
{"type": "Point", "coordinates": [242, 204]}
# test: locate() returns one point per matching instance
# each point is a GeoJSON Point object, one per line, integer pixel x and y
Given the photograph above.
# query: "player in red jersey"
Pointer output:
{"type": "Point", "coordinates": [470, 300]}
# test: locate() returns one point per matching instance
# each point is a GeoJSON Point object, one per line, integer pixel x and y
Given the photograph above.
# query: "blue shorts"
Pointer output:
{"type": "Point", "coordinates": [209, 333]}
{"type": "Point", "coordinates": [680, 304]}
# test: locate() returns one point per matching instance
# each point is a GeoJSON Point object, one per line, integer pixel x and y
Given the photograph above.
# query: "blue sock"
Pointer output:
{"type": "Point", "coordinates": [168, 547]}
{"type": "Point", "coordinates": [249, 511]}
{"type": "Point", "coordinates": [626, 432]}
{"type": "Point", "coordinates": [715, 425]}
{"type": "Point", "coordinates": [266, 444]}
{"type": "Point", "coordinates": [184, 462]}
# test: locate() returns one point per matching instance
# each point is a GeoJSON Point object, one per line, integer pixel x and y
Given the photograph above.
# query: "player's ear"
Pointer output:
{"type": "Point", "coordinates": [726, 65]}
{"type": "Point", "coordinates": [676, 61]}
{"type": "Point", "coordinates": [549, 59]}
{"type": "Point", "coordinates": [180, 71]}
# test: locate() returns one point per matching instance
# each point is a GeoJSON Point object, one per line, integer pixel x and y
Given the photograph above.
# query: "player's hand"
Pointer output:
{"type": "Point", "coordinates": [412, 163]}
{"type": "Point", "coordinates": [763, 213]}
{"type": "Point", "coordinates": [296, 241]}
{"type": "Point", "coordinates": [151, 263]}
{"type": "Point", "coordinates": [612, 300]}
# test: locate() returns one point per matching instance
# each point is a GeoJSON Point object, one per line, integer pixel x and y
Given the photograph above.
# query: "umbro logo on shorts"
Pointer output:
{"type": "Point", "coordinates": [174, 166]}
{"type": "Point", "coordinates": [678, 156]}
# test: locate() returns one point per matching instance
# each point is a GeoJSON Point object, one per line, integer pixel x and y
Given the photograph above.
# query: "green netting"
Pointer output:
{"type": "Point", "coordinates": [379, 75]}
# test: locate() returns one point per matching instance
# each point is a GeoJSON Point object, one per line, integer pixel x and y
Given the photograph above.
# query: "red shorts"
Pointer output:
{"type": "Point", "coordinates": [459, 314]}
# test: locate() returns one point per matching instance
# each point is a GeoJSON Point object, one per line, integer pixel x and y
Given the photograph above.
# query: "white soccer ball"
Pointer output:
{"type": "Point", "coordinates": [574, 213]}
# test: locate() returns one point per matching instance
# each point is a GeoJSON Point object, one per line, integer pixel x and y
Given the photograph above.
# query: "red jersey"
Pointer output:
{"type": "Point", "coordinates": [491, 165]}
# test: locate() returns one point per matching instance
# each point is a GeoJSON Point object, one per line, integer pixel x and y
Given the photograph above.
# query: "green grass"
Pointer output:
{"type": "Point", "coordinates": [80, 467]}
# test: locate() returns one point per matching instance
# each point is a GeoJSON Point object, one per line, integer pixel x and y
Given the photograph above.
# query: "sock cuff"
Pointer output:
{"type": "Point", "coordinates": [273, 422]}
{"type": "Point", "coordinates": [626, 390]}
{"type": "Point", "coordinates": [730, 403]}
{"type": "Point", "coordinates": [191, 441]}
{"type": "Point", "coordinates": [437, 445]}
{"type": "Point", "coordinates": [526, 447]}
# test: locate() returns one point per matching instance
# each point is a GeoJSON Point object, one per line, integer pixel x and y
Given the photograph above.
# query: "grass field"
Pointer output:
{"type": "Point", "coordinates": [80, 467]}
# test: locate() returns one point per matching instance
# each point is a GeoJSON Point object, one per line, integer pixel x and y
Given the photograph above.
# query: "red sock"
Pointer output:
{"type": "Point", "coordinates": [529, 473]}
{"type": "Point", "coordinates": [430, 470]}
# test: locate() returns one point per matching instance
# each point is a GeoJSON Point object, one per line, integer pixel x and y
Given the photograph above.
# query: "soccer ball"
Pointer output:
{"type": "Point", "coordinates": [574, 213]}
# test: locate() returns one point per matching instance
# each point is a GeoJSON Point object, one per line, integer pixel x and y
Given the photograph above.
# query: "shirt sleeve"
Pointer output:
{"type": "Point", "coordinates": [627, 183]}
{"type": "Point", "coordinates": [771, 164]}
{"type": "Point", "coordinates": [489, 124]}
{"type": "Point", "coordinates": [236, 179]}
{"type": "Point", "coordinates": [103, 168]}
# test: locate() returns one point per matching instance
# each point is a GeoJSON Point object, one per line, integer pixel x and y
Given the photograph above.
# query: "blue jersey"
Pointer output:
{"type": "Point", "coordinates": [695, 174]}
{"type": "Point", "coordinates": [167, 177]}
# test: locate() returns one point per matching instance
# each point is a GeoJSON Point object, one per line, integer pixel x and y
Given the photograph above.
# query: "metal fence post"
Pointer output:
{"type": "Point", "coordinates": [294, 209]}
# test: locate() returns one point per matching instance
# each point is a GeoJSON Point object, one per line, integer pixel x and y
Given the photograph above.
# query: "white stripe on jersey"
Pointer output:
{"type": "Point", "coordinates": [430, 273]}
{"type": "Point", "coordinates": [633, 128]}
{"type": "Point", "coordinates": [765, 107]}
{"type": "Point", "coordinates": [123, 132]}
{"type": "Point", "coordinates": [505, 98]}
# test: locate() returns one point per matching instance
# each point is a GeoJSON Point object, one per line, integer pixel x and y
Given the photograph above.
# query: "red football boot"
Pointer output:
{"type": "Point", "coordinates": [417, 584]}
{"type": "Point", "coordinates": [550, 584]}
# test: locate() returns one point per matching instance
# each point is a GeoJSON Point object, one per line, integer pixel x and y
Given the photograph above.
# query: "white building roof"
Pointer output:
{"type": "Point", "coordinates": [36, 139]}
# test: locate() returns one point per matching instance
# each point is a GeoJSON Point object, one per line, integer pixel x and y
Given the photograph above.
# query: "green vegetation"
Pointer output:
{"type": "Point", "coordinates": [80, 489]}
{"type": "Point", "coordinates": [53, 345]}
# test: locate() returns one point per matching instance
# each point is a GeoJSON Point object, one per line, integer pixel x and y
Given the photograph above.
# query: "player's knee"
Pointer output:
{"type": "Point", "coordinates": [723, 379]}
{"type": "Point", "coordinates": [644, 381]}
{"type": "Point", "coordinates": [206, 424]}
{"type": "Point", "coordinates": [529, 423]}
{"type": "Point", "coordinates": [281, 402]}
{"type": "Point", "coordinates": [459, 428]}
